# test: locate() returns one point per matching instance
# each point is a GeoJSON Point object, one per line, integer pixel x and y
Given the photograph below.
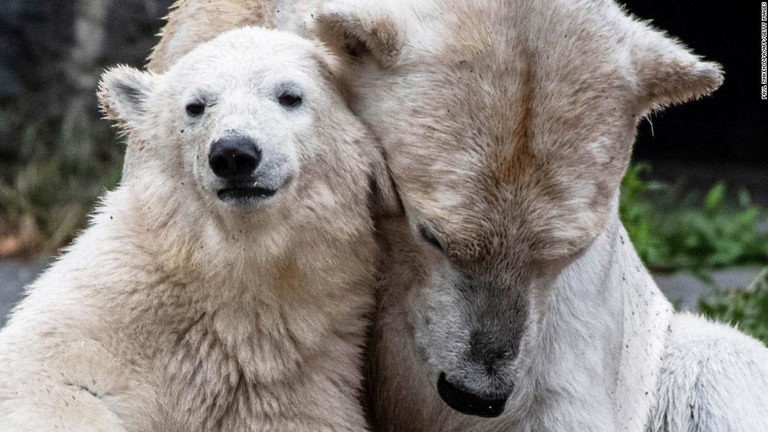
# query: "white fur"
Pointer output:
{"type": "Point", "coordinates": [175, 311]}
{"type": "Point", "coordinates": [514, 121]}
{"type": "Point", "coordinates": [713, 378]}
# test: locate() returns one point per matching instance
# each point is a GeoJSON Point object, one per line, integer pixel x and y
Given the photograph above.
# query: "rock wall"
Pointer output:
{"type": "Point", "coordinates": [53, 52]}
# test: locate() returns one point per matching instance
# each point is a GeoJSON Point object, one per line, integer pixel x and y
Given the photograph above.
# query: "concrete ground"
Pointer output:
{"type": "Point", "coordinates": [682, 289]}
{"type": "Point", "coordinates": [14, 275]}
{"type": "Point", "coordinates": [685, 290]}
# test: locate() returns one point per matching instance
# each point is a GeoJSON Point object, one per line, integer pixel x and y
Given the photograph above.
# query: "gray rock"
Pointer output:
{"type": "Point", "coordinates": [685, 290]}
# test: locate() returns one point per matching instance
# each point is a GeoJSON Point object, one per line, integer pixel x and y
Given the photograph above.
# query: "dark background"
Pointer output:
{"type": "Point", "coordinates": [52, 53]}
{"type": "Point", "coordinates": [56, 154]}
{"type": "Point", "coordinates": [732, 125]}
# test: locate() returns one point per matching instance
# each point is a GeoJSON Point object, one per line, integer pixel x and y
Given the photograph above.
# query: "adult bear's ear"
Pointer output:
{"type": "Point", "coordinates": [667, 72]}
{"type": "Point", "coordinates": [384, 201]}
{"type": "Point", "coordinates": [123, 95]}
{"type": "Point", "coordinates": [361, 28]}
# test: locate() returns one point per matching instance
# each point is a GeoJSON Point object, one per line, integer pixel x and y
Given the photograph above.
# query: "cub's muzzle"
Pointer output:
{"type": "Point", "coordinates": [235, 160]}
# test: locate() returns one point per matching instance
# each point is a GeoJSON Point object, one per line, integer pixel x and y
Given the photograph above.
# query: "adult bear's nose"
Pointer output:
{"type": "Point", "coordinates": [234, 157]}
{"type": "Point", "coordinates": [468, 403]}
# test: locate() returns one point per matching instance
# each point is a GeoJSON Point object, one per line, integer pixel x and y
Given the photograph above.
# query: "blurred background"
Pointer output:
{"type": "Point", "coordinates": [694, 201]}
{"type": "Point", "coordinates": [56, 155]}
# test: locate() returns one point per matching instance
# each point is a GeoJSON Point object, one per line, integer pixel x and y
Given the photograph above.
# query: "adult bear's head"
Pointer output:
{"type": "Point", "coordinates": [508, 126]}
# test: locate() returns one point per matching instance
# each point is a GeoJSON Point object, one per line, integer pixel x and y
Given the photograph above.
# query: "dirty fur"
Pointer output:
{"type": "Point", "coordinates": [507, 128]}
{"type": "Point", "coordinates": [174, 311]}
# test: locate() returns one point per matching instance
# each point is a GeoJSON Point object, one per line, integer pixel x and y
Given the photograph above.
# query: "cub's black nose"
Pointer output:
{"type": "Point", "coordinates": [234, 157]}
{"type": "Point", "coordinates": [468, 403]}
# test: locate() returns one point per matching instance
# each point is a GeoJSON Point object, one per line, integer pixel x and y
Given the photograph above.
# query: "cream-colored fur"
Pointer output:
{"type": "Point", "coordinates": [507, 128]}
{"type": "Point", "coordinates": [192, 22]}
{"type": "Point", "coordinates": [175, 311]}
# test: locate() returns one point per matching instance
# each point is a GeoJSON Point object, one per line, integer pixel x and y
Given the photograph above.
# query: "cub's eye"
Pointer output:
{"type": "Point", "coordinates": [430, 238]}
{"type": "Point", "coordinates": [195, 109]}
{"type": "Point", "coordinates": [289, 100]}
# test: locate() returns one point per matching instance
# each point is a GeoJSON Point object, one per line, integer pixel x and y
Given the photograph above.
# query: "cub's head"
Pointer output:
{"type": "Point", "coordinates": [252, 124]}
{"type": "Point", "coordinates": [507, 127]}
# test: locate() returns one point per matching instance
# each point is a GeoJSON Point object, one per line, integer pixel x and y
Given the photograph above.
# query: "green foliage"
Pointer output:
{"type": "Point", "coordinates": [708, 234]}
{"type": "Point", "coordinates": [53, 194]}
{"type": "Point", "coordinates": [638, 214]}
{"type": "Point", "coordinates": [748, 309]}
{"type": "Point", "coordinates": [716, 236]}
{"type": "Point", "coordinates": [699, 235]}
{"type": "Point", "coordinates": [53, 184]}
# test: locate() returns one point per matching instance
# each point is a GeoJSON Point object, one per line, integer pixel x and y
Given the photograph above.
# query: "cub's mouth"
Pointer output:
{"type": "Point", "coordinates": [245, 196]}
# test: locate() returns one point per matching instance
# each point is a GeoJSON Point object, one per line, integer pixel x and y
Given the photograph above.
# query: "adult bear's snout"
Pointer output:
{"type": "Point", "coordinates": [234, 157]}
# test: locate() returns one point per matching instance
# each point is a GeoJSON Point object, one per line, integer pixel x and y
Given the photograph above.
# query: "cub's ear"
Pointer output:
{"type": "Point", "coordinates": [123, 95]}
{"type": "Point", "coordinates": [668, 73]}
{"type": "Point", "coordinates": [360, 28]}
{"type": "Point", "coordinates": [384, 200]}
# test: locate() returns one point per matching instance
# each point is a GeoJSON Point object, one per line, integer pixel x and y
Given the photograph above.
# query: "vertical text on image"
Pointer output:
{"type": "Point", "coordinates": [764, 50]}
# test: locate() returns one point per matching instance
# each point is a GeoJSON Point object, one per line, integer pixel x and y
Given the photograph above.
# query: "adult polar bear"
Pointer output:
{"type": "Point", "coordinates": [511, 289]}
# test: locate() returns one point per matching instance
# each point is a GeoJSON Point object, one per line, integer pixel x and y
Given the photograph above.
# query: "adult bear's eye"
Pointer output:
{"type": "Point", "coordinates": [195, 109]}
{"type": "Point", "coordinates": [430, 238]}
{"type": "Point", "coordinates": [289, 100]}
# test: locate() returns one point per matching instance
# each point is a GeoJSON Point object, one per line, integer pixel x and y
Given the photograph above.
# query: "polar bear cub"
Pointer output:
{"type": "Point", "coordinates": [225, 285]}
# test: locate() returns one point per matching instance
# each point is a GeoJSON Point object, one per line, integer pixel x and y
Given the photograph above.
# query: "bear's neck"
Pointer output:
{"type": "Point", "coordinates": [259, 302]}
{"type": "Point", "coordinates": [603, 337]}
{"type": "Point", "coordinates": [184, 238]}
